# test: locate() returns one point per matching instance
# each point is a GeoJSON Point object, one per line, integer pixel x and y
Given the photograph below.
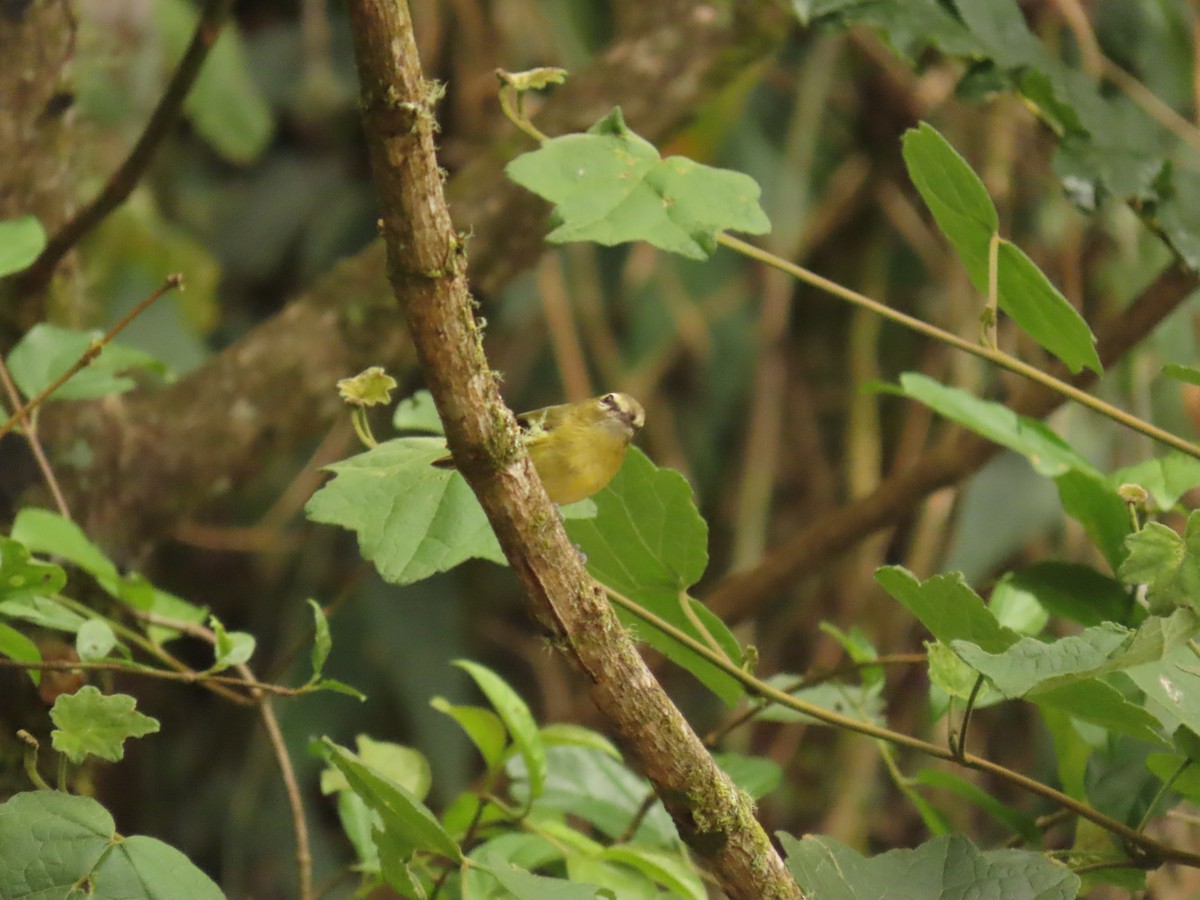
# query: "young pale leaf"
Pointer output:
{"type": "Point", "coordinates": [21, 241]}
{"type": "Point", "coordinates": [1049, 454]}
{"type": "Point", "coordinates": [566, 734]}
{"type": "Point", "coordinates": [1030, 665]}
{"type": "Point", "coordinates": [322, 641]}
{"type": "Point", "coordinates": [94, 724]}
{"type": "Point", "coordinates": [409, 820]}
{"type": "Point", "coordinates": [95, 640]}
{"type": "Point", "coordinates": [46, 351]}
{"type": "Point", "coordinates": [483, 727]}
{"type": "Point", "coordinates": [1167, 478]}
{"type": "Point", "coordinates": [1169, 565]}
{"type": "Point", "coordinates": [52, 842]}
{"type": "Point", "coordinates": [948, 607]}
{"type": "Point", "coordinates": [611, 186]}
{"type": "Point", "coordinates": [943, 868]}
{"type": "Point", "coordinates": [412, 519]}
{"type": "Point", "coordinates": [516, 717]}
{"type": "Point", "coordinates": [232, 647]}
{"type": "Point", "coordinates": [649, 543]}
{"type": "Point", "coordinates": [16, 646]}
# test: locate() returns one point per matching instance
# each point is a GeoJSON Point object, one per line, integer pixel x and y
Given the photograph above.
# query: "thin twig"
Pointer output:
{"type": "Point", "coordinates": [761, 688]}
{"type": "Point", "coordinates": [126, 177]}
{"type": "Point", "coordinates": [291, 788]}
{"type": "Point", "coordinates": [958, 745]}
{"type": "Point", "coordinates": [997, 357]}
{"type": "Point", "coordinates": [188, 676]}
{"type": "Point", "coordinates": [173, 281]}
{"type": "Point", "coordinates": [35, 445]}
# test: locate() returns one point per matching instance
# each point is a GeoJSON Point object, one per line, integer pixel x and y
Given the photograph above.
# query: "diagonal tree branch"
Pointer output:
{"type": "Point", "coordinates": [427, 271]}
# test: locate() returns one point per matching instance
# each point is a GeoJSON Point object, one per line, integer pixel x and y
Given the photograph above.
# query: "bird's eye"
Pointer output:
{"type": "Point", "coordinates": [609, 400]}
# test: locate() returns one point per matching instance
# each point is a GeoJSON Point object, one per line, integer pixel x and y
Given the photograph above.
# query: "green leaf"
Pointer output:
{"type": "Point", "coordinates": [567, 734]}
{"type": "Point", "coordinates": [1049, 454]}
{"type": "Point", "coordinates": [51, 843]}
{"type": "Point", "coordinates": [94, 724]}
{"type": "Point", "coordinates": [392, 854]}
{"type": "Point", "coordinates": [405, 766]}
{"type": "Point", "coordinates": [482, 726]}
{"type": "Point", "coordinates": [955, 196]}
{"type": "Point", "coordinates": [648, 542]}
{"type": "Point", "coordinates": [948, 607]}
{"type": "Point", "coordinates": [956, 679]}
{"type": "Point", "coordinates": [232, 648]}
{"type": "Point", "coordinates": [1092, 501]}
{"type": "Point", "coordinates": [593, 786]}
{"type": "Point", "coordinates": [611, 186]}
{"type": "Point", "coordinates": [1071, 591]}
{"type": "Point", "coordinates": [753, 774]}
{"type": "Point", "coordinates": [22, 577]}
{"type": "Point", "coordinates": [525, 885]}
{"type": "Point", "coordinates": [407, 818]}
{"type": "Point", "coordinates": [412, 519]}
{"type": "Point", "coordinates": [1099, 703]}
{"type": "Point", "coordinates": [670, 871]}
{"type": "Point", "coordinates": [95, 640]}
{"type": "Point", "coordinates": [225, 104]}
{"type": "Point", "coordinates": [357, 822]}
{"type": "Point", "coordinates": [1172, 688]}
{"type": "Point", "coordinates": [1169, 565]}
{"type": "Point", "coordinates": [417, 413]}
{"type": "Point", "coordinates": [1186, 374]}
{"type": "Point", "coordinates": [943, 868]}
{"type": "Point", "coordinates": [337, 687]}
{"type": "Point", "coordinates": [1026, 296]}
{"type": "Point", "coordinates": [1016, 821]}
{"type": "Point", "coordinates": [47, 351]}
{"type": "Point", "coordinates": [1030, 664]}
{"type": "Point", "coordinates": [1165, 766]}
{"type": "Point", "coordinates": [16, 646]}
{"type": "Point", "coordinates": [858, 701]}
{"type": "Point", "coordinates": [964, 212]}
{"type": "Point", "coordinates": [21, 242]}
{"type": "Point", "coordinates": [517, 719]}
{"type": "Point", "coordinates": [45, 612]}
{"type": "Point", "coordinates": [322, 641]}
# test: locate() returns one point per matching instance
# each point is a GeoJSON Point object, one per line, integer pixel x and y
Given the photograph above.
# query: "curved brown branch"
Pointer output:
{"type": "Point", "coordinates": [958, 454]}
{"type": "Point", "coordinates": [427, 271]}
{"type": "Point", "coordinates": [126, 177]}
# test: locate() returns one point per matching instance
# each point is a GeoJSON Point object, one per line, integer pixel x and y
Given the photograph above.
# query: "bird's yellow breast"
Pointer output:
{"type": "Point", "coordinates": [576, 465]}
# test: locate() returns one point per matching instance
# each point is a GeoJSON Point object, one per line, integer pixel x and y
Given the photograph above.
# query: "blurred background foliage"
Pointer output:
{"type": "Point", "coordinates": [753, 383]}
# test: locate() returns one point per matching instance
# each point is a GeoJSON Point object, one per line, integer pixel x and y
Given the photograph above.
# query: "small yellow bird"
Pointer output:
{"type": "Point", "coordinates": [577, 448]}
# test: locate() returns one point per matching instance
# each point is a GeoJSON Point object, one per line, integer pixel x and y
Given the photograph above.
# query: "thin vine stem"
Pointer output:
{"type": "Point", "coordinates": [997, 357]}
{"type": "Point", "coordinates": [93, 350]}
{"type": "Point", "coordinates": [761, 688]}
